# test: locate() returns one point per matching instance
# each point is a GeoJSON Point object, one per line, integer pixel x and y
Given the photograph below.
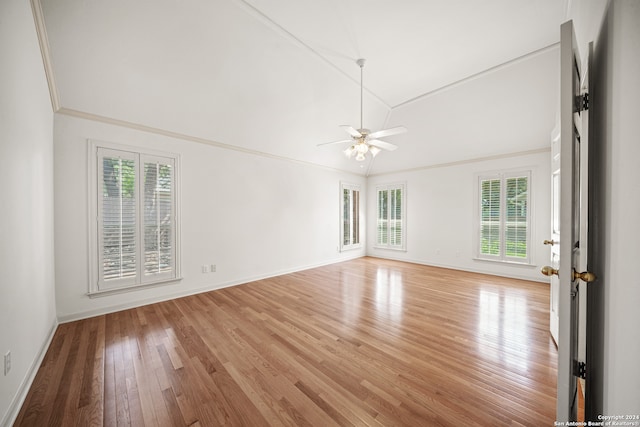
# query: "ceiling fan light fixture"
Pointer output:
{"type": "Point", "coordinates": [362, 148]}
{"type": "Point", "coordinates": [364, 141]}
{"type": "Point", "coordinates": [349, 151]}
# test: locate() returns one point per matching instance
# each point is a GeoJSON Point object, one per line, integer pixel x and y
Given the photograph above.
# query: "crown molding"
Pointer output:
{"type": "Point", "coordinates": [43, 41]}
{"type": "Point", "coordinates": [468, 161]}
{"type": "Point", "coordinates": [185, 137]}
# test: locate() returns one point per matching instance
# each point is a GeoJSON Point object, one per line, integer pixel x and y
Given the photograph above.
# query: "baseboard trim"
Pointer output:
{"type": "Point", "coordinates": [181, 294]}
{"type": "Point", "coordinates": [21, 395]}
{"type": "Point", "coordinates": [19, 398]}
{"type": "Point", "coordinates": [458, 268]}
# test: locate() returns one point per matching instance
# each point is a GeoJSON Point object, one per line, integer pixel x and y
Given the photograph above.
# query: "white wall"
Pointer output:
{"type": "Point", "coordinates": [441, 215]}
{"type": "Point", "coordinates": [614, 27]}
{"type": "Point", "coordinates": [587, 18]}
{"type": "Point", "coordinates": [619, 89]}
{"type": "Point", "coordinates": [27, 299]}
{"type": "Point", "coordinates": [514, 104]}
{"type": "Point", "coordinates": [253, 216]}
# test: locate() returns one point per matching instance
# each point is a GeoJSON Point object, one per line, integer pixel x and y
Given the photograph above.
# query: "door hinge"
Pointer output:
{"type": "Point", "coordinates": [580, 369]}
{"type": "Point", "coordinates": [581, 102]}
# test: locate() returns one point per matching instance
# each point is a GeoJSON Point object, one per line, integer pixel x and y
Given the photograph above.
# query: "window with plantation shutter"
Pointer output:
{"type": "Point", "coordinates": [490, 223]}
{"type": "Point", "coordinates": [136, 236]}
{"type": "Point", "coordinates": [391, 222]}
{"type": "Point", "coordinates": [504, 217]}
{"type": "Point", "coordinates": [159, 214]}
{"type": "Point", "coordinates": [118, 226]}
{"type": "Point", "coordinates": [350, 216]}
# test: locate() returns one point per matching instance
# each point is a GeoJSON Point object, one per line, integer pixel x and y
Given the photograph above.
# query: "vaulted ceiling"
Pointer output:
{"type": "Point", "coordinates": [468, 78]}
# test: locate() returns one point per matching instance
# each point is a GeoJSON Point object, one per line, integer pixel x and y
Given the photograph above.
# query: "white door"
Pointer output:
{"type": "Point", "coordinates": [554, 241]}
{"type": "Point", "coordinates": [569, 225]}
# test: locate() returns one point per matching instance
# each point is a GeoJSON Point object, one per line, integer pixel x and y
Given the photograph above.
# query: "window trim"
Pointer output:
{"type": "Point", "coordinates": [386, 187]}
{"type": "Point", "coordinates": [93, 251]}
{"type": "Point", "coordinates": [503, 176]}
{"type": "Point", "coordinates": [352, 187]}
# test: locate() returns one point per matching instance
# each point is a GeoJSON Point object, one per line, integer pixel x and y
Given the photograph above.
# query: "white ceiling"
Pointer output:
{"type": "Point", "coordinates": [279, 76]}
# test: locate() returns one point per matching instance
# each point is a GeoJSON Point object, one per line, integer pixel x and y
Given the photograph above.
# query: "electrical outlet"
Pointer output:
{"type": "Point", "coordinates": [213, 268]}
{"type": "Point", "coordinates": [205, 268]}
{"type": "Point", "coordinates": [7, 362]}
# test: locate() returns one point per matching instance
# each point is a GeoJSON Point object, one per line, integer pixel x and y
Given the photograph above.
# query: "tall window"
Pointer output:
{"type": "Point", "coordinates": [350, 213]}
{"type": "Point", "coordinates": [504, 217]}
{"type": "Point", "coordinates": [136, 230]}
{"type": "Point", "coordinates": [391, 223]}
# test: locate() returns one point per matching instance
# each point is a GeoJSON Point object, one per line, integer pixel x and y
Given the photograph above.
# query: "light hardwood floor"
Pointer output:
{"type": "Point", "coordinates": [363, 342]}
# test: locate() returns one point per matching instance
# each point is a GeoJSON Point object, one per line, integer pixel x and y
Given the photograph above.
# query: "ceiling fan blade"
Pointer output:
{"type": "Point", "coordinates": [335, 142]}
{"type": "Point", "coordinates": [382, 144]}
{"type": "Point", "coordinates": [351, 131]}
{"type": "Point", "coordinates": [388, 132]}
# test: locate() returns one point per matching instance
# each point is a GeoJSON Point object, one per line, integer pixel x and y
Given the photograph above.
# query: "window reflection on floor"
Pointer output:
{"type": "Point", "coordinates": [389, 294]}
{"type": "Point", "coordinates": [351, 289]}
{"type": "Point", "coordinates": [502, 328]}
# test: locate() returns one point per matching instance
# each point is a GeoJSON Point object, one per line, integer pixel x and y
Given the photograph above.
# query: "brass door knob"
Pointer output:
{"type": "Point", "coordinates": [586, 276]}
{"type": "Point", "coordinates": [549, 271]}
{"type": "Point", "coordinates": [549, 242]}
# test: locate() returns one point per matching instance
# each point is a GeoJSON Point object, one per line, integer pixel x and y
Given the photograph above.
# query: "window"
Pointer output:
{"type": "Point", "coordinates": [391, 223]}
{"type": "Point", "coordinates": [135, 237]}
{"type": "Point", "coordinates": [504, 229]}
{"type": "Point", "coordinates": [350, 216]}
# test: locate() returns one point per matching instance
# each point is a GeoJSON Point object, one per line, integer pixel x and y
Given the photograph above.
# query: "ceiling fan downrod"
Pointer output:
{"type": "Point", "coordinates": [362, 140]}
{"type": "Point", "coordinates": [360, 63]}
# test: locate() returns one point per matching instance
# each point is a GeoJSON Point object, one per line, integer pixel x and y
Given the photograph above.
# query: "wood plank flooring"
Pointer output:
{"type": "Point", "coordinates": [365, 342]}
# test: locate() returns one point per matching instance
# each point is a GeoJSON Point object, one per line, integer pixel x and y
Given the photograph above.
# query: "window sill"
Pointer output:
{"type": "Point", "coordinates": [350, 248]}
{"type": "Point", "coordinates": [389, 248]}
{"type": "Point", "coordinates": [510, 263]}
{"type": "Point", "coordinates": [131, 288]}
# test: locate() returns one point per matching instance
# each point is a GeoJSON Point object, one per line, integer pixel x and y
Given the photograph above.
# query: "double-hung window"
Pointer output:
{"type": "Point", "coordinates": [350, 216]}
{"type": "Point", "coordinates": [135, 233]}
{"type": "Point", "coordinates": [504, 217]}
{"type": "Point", "coordinates": [391, 217]}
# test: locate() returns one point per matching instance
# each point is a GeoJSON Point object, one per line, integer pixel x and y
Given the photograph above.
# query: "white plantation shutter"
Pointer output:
{"type": "Point", "coordinates": [490, 221]}
{"type": "Point", "coordinates": [118, 232]}
{"type": "Point", "coordinates": [395, 217]}
{"type": "Point", "coordinates": [505, 217]}
{"type": "Point", "coordinates": [136, 227]}
{"type": "Point", "coordinates": [350, 216]}
{"type": "Point", "coordinates": [158, 216]}
{"type": "Point", "coordinates": [391, 223]}
{"type": "Point", "coordinates": [355, 217]}
{"type": "Point", "coordinates": [382, 229]}
{"type": "Point", "coordinates": [517, 217]}
{"type": "Point", "coordinates": [346, 217]}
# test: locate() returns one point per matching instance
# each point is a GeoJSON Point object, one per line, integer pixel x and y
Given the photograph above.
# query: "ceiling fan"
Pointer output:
{"type": "Point", "coordinates": [362, 140]}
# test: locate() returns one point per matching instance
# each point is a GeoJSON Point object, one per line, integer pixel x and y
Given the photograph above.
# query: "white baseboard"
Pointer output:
{"type": "Point", "coordinates": [180, 294]}
{"type": "Point", "coordinates": [469, 270]}
{"type": "Point", "coordinates": [185, 293]}
{"type": "Point", "coordinates": [18, 400]}
{"type": "Point", "coordinates": [21, 395]}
